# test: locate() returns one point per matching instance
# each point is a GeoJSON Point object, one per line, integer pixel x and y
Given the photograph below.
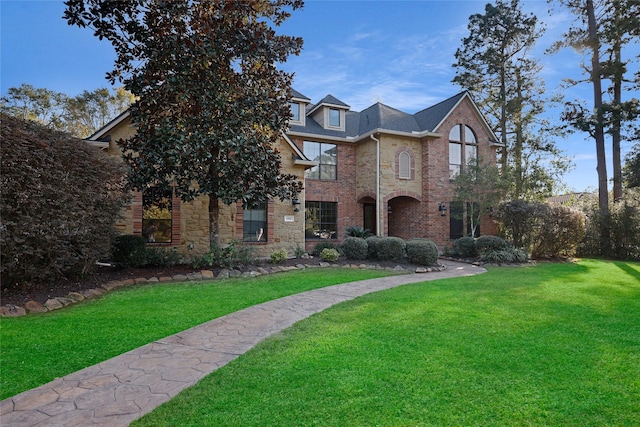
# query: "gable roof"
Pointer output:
{"type": "Point", "coordinates": [430, 118]}
{"type": "Point", "coordinates": [298, 96]}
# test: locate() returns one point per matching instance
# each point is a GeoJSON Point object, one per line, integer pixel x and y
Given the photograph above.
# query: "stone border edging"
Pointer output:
{"type": "Point", "coordinates": [72, 298]}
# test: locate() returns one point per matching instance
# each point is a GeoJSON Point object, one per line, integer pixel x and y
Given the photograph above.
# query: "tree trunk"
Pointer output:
{"type": "Point", "coordinates": [214, 222]}
{"type": "Point", "coordinates": [518, 143]}
{"type": "Point", "coordinates": [503, 122]}
{"type": "Point", "coordinates": [616, 125]}
{"type": "Point", "coordinates": [596, 79]}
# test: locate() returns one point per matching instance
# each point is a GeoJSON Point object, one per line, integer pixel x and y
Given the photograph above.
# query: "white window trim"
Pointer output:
{"type": "Point", "coordinates": [301, 114]}
{"type": "Point", "coordinates": [327, 116]}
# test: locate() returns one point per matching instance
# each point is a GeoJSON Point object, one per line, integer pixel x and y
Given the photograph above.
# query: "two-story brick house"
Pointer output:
{"type": "Point", "coordinates": [387, 170]}
{"type": "Point", "coordinates": [381, 169]}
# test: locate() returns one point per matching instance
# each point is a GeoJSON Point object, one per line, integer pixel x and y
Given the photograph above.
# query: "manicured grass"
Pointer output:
{"type": "Point", "coordinates": [36, 349]}
{"type": "Point", "coordinates": [555, 344]}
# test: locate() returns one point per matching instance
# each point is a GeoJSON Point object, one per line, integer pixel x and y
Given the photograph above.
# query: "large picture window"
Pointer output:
{"type": "Point", "coordinates": [255, 224]}
{"type": "Point", "coordinates": [156, 215]}
{"type": "Point", "coordinates": [327, 157]}
{"type": "Point", "coordinates": [321, 220]}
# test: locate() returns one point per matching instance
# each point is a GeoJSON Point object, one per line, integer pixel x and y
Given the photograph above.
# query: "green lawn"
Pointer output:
{"type": "Point", "coordinates": [35, 349]}
{"type": "Point", "coordinates": [555, 344]}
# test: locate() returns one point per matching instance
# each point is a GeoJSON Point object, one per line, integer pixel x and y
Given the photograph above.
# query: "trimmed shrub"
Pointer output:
{"type": "Point", "coordinates": [490, 243]}
{"type": "Point", "coordinates": [59, 201]}
{"type": "Point", "coordinates": [372, 246]}
{"type": "Point", "coordinates": [505, 256]}
{"type": "Point", "coordinates": [329, 254]}
{"type": "Point", "coordinates": [465, 247]}
{"type": "Point", "coordinates": [355, 248]}
{"type": "Point", "coordinates": [422, 251]}
{"type": "Point", "coordinates": [355, 231]}
{"type": "Point", "coordinates": [317, 250]}
{"type": "Point", "coordinates": [278, 256]}
{"type": "Point", "coordinates": [391, 248]}
{"type": "Point", "coordinates": [129, 250]}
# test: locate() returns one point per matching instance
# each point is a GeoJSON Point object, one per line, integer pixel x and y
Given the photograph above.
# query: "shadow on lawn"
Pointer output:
{"type": "Point", "coordinates": [627, 268]}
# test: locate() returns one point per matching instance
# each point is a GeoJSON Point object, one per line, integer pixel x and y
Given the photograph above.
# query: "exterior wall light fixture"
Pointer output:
{"type": "Point", "coordinates": [442, 208]}
{"type": "Point", "coordinates": [296, 203]}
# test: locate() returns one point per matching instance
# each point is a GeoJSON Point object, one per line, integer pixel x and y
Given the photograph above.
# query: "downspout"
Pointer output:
{"type": "Point", "coordinates": [378, 231]}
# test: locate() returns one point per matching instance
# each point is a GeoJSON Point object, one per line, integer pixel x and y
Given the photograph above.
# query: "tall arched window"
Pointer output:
{"type": "Point", "coordinates": [463, 148]}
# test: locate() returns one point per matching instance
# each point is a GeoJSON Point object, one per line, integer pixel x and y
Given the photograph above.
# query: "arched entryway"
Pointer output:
{"type": "Point", "coordinates": [404, 217]}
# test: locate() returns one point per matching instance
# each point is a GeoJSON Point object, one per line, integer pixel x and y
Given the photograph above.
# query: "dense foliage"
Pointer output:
{"type": "Point", "coordinates": [211, 102]}
{"type": "Point", "coordinates": [624, 222]}
{"type": "Point", "coordinates": [546, 231]}
{"type": "Point", "coordinates": [60, 198]}
{"type": "Point", "coordinates": [79, 115]}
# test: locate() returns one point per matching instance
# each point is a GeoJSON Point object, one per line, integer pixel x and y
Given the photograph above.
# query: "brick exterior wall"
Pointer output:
{"type": "Point", "coordinates": [409, 207]}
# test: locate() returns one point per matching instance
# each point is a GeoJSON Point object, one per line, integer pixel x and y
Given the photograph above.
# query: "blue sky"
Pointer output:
{"type": "Point", "coordinates": [396, 52]}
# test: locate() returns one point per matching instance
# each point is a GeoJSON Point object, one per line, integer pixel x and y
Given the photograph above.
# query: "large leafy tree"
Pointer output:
{"type": "Point", "coordinates": [211, 101]}
{"type": "Point", "coordinates": [91, 110]}
{"type": "Point", "coordinates": [41, 105]}
{"type": "Point", "coordinates": [631, 169]}
{"type": "Point", "coordinates": [495, 65]}
{"type": "Point", "coordinates": [78, 115]}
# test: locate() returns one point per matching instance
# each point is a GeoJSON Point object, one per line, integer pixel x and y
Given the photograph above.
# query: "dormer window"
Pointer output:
{"type": "Point", "coordinates": [330, 113]}
{"type": "Point", "coordinates": [297, 113]}
{"type": "Point", "coordinates": [334, 118]}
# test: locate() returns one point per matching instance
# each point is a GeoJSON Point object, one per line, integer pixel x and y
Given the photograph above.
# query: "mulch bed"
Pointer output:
{"type": "Point", "coordinates": [41, 292]}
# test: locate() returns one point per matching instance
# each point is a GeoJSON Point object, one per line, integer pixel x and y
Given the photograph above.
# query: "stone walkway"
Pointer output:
{"type": "Point", "coordinates": [120, 390]}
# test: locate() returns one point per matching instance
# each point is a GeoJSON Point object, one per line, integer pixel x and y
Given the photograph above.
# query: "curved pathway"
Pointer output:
{"type": "Point", "coordinates": [124, 388]}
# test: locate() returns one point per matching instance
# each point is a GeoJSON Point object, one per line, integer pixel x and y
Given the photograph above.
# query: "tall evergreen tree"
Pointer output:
{"type": "Point", "coordinates": [211, 101]}
{"type": "Point", "coordinates": [493, 63]}
{"type": "Point", "coordinates": [602, 29]}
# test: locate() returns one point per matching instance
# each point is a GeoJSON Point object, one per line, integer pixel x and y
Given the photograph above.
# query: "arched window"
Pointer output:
{"type": "Point", "coordinates": [463, 148]}
{"type": "Point", "coordinates": [404, 165]}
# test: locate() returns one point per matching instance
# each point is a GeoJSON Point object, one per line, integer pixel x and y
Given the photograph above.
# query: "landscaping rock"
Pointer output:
{"type": "Point", "coordinates": [207, 274]}
{"type": "Point", "coordinates": [12, 311]}
{"type": "Point", "coordinates": [77, 296]}
{"type": "Point", "coordinates": [53, 304]}
{"type": "Point", "coordinates": [180, 278]}
{"type": "Point", "coordinates": [224, 274]}
{"type": "Point", "coordinates": [34, 307]}
{"type": "Point", "coordinates": [66, 301]}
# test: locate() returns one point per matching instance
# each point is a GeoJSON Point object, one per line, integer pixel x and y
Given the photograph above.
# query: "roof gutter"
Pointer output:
{"type": "Point", "coordinates": [367, 135]}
